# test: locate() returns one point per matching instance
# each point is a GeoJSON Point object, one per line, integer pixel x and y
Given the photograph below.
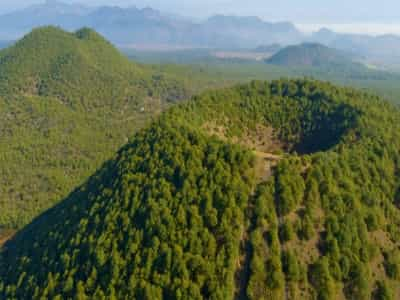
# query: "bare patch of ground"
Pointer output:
{"type": "Point", "coordinates": [5, 235]}
{"type": "Point", "coordinates": [265, 163]}
{"type": "Point", "coordinates": [246, 55]}
{"type": "Point", "coordinates": [262, 140]}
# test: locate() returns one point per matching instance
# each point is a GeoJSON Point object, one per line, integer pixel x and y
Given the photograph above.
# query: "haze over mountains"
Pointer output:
{"type": "Point", "coordinates": [133, 26]}
{"type": "Point", "coordinates": [383, 47]}
{"type": "Point", "coordinates": [149, 28]}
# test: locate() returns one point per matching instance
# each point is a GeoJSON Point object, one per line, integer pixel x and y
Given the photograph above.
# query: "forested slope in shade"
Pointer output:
{"type": "Point", "coordinates": [190, 209]}
{"type": "Point", "coordinates": [68, 101]}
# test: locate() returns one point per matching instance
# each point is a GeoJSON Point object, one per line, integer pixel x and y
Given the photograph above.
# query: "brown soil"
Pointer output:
{"type": "Point", "coordinates": [5, 235]}
{"type": "Point", "coordinates": [262, 141]}
{"type": "Point", "coordinates": [262, 138]}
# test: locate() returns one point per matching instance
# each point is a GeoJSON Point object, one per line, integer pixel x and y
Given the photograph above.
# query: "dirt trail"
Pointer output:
{"type": "Point", "coordinates": [268, 156]}
{"type": "Point", "coordinates": [243, 271]}
{"type": "Point", "coordinates": [265, 164]}
{"type": "Point", "coordinates": [264, 169]}
{"type": "Point", "coordinates": [263, 142]}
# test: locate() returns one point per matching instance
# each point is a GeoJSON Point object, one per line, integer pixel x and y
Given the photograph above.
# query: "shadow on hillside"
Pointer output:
{"type": "Point", "coordinates": [324, 131]}
{"type": "Point", "coordinates": [73, 208]}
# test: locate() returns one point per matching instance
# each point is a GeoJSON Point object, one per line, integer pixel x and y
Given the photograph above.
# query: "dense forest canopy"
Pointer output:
{"type": "Point", "coordinates": [184, 211]}
{"type": "Point", "coordinates": [69, 100]}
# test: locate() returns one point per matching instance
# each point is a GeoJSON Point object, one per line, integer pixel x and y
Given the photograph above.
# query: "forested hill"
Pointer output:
{"type": "Point", "coordinates": [310, 55]}
{"type": "Point", "coordinates": [282, 190]}
{"type": "Point", "coordinates": [75, 67]}
{"type": "Point", "coordinates": [68, 101]}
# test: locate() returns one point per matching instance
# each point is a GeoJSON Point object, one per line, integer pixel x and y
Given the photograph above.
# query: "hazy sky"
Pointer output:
{"type": "Point", "coordinates": [347, 12]}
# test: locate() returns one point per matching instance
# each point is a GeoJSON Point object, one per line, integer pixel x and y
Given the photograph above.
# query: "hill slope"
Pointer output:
{"type": "Point", "coordinates": [193, 207]}
{"type": "Point", "coordinates": [67, 102]}
{"type": "Point", "coordinates": [309, 55]}
{"type": "Point", "coordinates": [52, 62]}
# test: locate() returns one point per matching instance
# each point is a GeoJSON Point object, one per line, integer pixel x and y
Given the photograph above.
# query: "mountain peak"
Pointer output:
{"type": "Point", "coordinates": [87, 33]}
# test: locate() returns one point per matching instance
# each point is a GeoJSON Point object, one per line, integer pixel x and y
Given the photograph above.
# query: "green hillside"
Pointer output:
{"type": "Point", "coordinates": [310, 55]}
{"type": "Point", "coordinates": [81, 69]}
{"type": "Point", "coordinates": [282, 190]}
{"type": "Point", "coordinates": [68, 101]}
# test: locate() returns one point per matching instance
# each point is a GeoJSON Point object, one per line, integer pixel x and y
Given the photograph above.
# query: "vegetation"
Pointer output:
{"type": "Point", "coordinates": [166, 217]}
{"type": "Point", "coordinates": [68, 101]}
{"type": "Point", "coordinates": [312, 55]}
{"type": "Point", "coordinates": [211, 71]}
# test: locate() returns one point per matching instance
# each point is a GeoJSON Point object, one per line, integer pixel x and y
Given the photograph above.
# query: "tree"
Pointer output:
{"type": "Point", "coordinates": [290, 266]}
{"type": "Point", "coordinates": [392, 264]}
{"type": "Point", "coordinates": [286, 232]}
{"type": "Point", "coordinates": [383, 291]}
{"type": "Point", "coordinates": [321, 279]}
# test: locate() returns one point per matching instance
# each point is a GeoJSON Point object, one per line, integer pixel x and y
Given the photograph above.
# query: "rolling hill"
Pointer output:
{"type": "Point", "coordinates": [269, 190]}
{"type": "Point", "coordinates": [310, 55]}
{"type": "Point", "coordinates": [67, 102]}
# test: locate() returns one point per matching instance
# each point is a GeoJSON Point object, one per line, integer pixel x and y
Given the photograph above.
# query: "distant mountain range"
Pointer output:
{"type": "Point", "coordinates": [151, 29]}
{"type": "Point", "coordinates": [381, 47]}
